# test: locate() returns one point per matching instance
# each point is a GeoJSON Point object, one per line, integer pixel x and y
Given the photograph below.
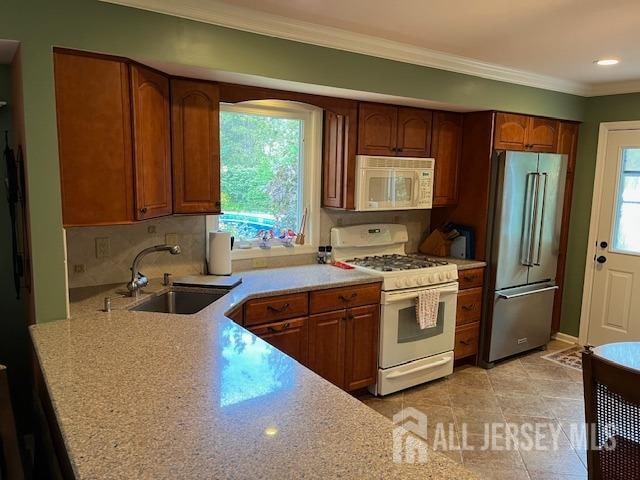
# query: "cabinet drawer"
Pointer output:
{"type": "Point", "coordinates": [469, 308]}
{"type": "Point", "coordinates": [471, 278]}
{"type": "Point", "coordinates": [344, 297]}
{"type": "Point", "coordinates": [264, 310]}
{"type": "Point", "coordinates": [288, 336]}
{"type": "Point", "coordinates": [467, 338]}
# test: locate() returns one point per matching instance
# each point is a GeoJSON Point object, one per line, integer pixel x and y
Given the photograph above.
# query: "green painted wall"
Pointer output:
{"type": "Point", "coordinates": [14, 351]}
{"type": "Point", "coordinates": [610, 108]}
{"type": "Point", "coordinates": [92, 25]}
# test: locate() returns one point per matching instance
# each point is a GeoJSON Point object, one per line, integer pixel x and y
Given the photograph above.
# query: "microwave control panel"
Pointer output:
{"type": "Point", "coordinates": [425, 188]}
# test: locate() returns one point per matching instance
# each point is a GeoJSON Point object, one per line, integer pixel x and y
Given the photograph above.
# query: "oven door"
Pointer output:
{"type": "Point", "coordinates": [401, 338]}
{"type": "Point", "coordinates": [387, 189]}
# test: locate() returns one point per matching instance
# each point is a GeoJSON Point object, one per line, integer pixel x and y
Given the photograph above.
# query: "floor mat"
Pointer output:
{"type": "Point", "coordinates": [569, 357]}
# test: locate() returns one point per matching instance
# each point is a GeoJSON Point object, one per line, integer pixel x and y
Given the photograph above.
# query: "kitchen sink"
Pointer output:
{"type": "Point", "coordinates": [180, 301]}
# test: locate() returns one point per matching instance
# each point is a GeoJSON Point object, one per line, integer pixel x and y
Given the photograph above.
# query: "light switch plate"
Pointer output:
{"type": "Point", "coordinates": [171, 239]}
{"type": "Point", "coordinates": [103, 247]}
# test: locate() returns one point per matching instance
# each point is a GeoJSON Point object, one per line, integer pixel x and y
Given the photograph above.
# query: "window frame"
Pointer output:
{"type": "Point", "coordinates": [310, 173]}
{"type": "Point", "coordinates": [618, 202]}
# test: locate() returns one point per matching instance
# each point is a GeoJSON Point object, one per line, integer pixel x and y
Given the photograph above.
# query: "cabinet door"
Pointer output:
{"type": "Point", "coordinates": [195, 135]}
{"type": "Point", "coordinates": [326, 345]}
{"type": "Point", "coordinates": [335, 159]}
{"type": "Point", "coordinates": [414, 132]}
{"type": "Point", "coordinates": [288, 336]}
{"type": "Point", "coordinates": [361, 347]}
{"type": "Point", "coordinates": [152, 153]}
{"type": "Point", "coordinates": [542, 135]}
{"type": "Point", "coordinates": [94, 139]}
{"type": "Point", "coordinates": [511, 131]}
{"type": "Point", "coordinates": [377, 129]}
{"type": "Point", "coordinates": [446, 150]}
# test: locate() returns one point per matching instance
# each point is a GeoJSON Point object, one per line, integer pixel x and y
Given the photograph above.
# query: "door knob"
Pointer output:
{"type": "Point", "coordinates": [601, 259]}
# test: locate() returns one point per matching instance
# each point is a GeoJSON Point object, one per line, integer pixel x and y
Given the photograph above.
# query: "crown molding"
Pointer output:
{"type": "Point", "coordinates": [245, 19]}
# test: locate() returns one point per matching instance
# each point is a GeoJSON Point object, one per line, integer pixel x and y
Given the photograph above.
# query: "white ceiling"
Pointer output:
{"type": "Point", "coordinates": [547, 43]}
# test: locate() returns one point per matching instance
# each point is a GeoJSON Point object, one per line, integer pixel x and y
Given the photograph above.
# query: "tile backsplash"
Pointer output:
{"type": "Point", "coordinates": [86, 244]}
{"type": "Point", "coordinates": [126, 241]}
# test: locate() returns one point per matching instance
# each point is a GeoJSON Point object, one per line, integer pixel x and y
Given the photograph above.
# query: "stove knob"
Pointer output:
{"type": "Point", "coordinates": [407, 282]}
{"type": "Point", "coordinates": [398, 283]}
{"type": "Point", "coordinates": [432, 279]}
{"type": "Point", "coordinates": [422, 281]}
{"type": "Point", "coordinates": [441, 277]}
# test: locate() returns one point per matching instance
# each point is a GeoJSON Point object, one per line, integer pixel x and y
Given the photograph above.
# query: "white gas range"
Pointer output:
{"type": "Point", "coordinates": [408, 355]}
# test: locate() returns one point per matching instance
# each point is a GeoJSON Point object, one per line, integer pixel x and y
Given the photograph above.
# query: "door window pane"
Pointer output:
{"type": "Point", "coordinates": [626, 232]}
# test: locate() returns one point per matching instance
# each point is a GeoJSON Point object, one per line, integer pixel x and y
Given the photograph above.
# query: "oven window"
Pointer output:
{"type": "Point", "coordinates": [379, 189]}
{"type": "Point", "coordinates": [404, 189]}
{"type": "Point", "coordinates": [410, 331]}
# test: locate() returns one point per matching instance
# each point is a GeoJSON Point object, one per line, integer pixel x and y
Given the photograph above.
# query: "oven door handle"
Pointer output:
{"type": "Point", "coordinates": [400, 297]}
{"type": "Point", "coordinates": [439, 363]}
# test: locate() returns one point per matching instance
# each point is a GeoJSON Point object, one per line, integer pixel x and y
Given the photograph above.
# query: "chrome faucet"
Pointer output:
{"type": "Point", "coordinates": [138, 280]}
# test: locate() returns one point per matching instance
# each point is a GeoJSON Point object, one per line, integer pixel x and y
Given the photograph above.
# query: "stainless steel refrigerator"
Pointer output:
{"type": "Point", "coordinates": [527, 200]}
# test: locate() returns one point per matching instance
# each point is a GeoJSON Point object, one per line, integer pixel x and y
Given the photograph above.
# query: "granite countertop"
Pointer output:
{"type": "Point", "coordinates": [151, 395]}
{"type": "Point", "coordinates": [463, 263]}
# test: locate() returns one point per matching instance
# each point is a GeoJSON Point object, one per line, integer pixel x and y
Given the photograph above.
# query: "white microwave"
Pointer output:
{"type": "Point", "coordinates": [393, 183]}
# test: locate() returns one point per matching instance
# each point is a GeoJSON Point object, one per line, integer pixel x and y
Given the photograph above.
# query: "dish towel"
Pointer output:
{"type": "Point", "coordinates": [427, 308]}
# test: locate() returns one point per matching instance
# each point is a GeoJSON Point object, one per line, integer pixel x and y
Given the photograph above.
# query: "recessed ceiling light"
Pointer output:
{"type": "Point", "coordinates": [606, 62]}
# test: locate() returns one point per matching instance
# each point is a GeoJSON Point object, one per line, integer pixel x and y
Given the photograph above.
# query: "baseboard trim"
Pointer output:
{"type": "Point", "coordinates": [563, 337]}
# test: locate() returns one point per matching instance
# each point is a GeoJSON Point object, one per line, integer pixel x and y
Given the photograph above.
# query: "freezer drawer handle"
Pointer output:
{"type": "Point", "coordinates": [516, 295]}
{"type": "Point", "coordinates": [419, 369]}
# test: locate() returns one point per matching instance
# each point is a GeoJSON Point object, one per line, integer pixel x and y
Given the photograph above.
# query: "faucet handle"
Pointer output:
{"type": "Point", "coordinates": [166, 280]}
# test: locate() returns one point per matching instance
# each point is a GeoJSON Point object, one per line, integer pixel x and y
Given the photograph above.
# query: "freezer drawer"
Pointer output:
{"type": "Point", "coordinates": [521, 319]}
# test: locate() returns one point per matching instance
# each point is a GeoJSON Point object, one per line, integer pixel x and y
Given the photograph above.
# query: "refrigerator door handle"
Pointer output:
{"type": "Point", "coordinates": [516, 295]}
{"type": "Point", "coordinates": [530, 206]}
{"type": "Point", "coordinates": [541, 229]}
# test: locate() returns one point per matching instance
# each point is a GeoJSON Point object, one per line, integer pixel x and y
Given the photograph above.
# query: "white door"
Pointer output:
{"type": "Point", "coordinates": [614, 314]}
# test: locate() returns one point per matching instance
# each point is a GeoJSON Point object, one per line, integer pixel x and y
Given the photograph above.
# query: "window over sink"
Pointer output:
{"type": "Point", "coordinates": [270, 158]}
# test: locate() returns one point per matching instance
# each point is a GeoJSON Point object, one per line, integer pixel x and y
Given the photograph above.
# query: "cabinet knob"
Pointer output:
{"type": "Point", "coordinates": [143, 210]}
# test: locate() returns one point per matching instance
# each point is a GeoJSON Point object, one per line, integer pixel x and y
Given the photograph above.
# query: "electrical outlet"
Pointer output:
{"type": "Point", "coordinates": [78, 268]}
{"type": "Point", "coordinates": [259, 262]}
{"type": "Point", "coordinates": [151, 229]}
{"type": "Point", "coordinates": [171, 239]}
{"type": "Point", "coordinates": [103, 247]}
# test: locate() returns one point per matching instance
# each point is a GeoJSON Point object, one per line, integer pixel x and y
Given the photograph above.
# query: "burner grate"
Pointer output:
{"type": "Point", "coordinates": [394, 263]}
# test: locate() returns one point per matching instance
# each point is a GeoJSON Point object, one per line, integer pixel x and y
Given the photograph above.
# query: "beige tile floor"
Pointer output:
{"type": "Point", "coordinates": [527, 390]}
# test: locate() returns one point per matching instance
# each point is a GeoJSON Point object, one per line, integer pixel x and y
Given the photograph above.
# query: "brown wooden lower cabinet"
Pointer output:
{"type": "Point", "coordinates": [288, 336]}
{"type": "Point", "coordinates": [339, 341]}
{"type": "Point", "coordinates": [468, 313]}
{"type": "Point", "coordinates": [326, 345]}
{"type": "Point", "coordinates": [467, 340]}
{"type": "Point", "coordinates": [361, 347]}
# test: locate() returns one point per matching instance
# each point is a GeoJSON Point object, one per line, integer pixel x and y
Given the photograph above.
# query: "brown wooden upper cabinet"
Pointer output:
{"type": "Point", "coordinates": [195, 133]}
{"type": "Point", "coordinates": [118, 163]}
{"type": "Point", "coordinates": [446, 149]}
{"type": "Point", "coordinates": [523, 132]}
{"type": "Point", "coordinates": [335, 159]}
{"type": "Point", "coordinates": [152, 142]}
{"type": "Point", "coordinates": [394, 131]}
{"type": "Point", "coordinates": [94, 139]}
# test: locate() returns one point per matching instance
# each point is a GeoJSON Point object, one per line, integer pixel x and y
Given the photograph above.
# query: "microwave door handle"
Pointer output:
{"type": "Point", "coordinates": [392, 187]}
{"type": "Point", "coordinates": [416, 189]}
